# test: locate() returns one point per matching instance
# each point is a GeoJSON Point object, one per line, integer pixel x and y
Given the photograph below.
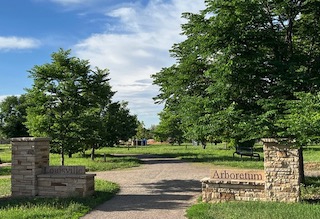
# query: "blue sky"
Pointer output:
{"type": "Point", "coordinates": [130, 38]}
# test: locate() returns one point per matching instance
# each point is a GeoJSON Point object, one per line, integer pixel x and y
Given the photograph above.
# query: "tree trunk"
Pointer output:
{"type": "Point", "coordinates": [70, 154]}
{"type": "Point", "coordinates": [93, 151]}
{"type": "Point", "coordinates": [62, 156]}
{"type": "Point", "coordinates": [204, 144]}
{"type": "Point", "coordinates": [301, 167]}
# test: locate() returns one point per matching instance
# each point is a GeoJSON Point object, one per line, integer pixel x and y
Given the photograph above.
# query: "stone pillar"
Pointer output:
{"type": "Point", "coordinates": [29, 157]}
{"type": "Point", "coordinates": [281, 164]}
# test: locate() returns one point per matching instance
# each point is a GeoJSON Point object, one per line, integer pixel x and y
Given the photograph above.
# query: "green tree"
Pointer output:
{"type": "Point", "coordinates": [12, 117]}
{"type": "Point", "coordinates": [56, 99]}
{"type": "Point", "coordinates": [97, 101]}
{"type": "Point", "coordinates": [72, 104]}
{"type": "Point", "coordinates": [120, 124]}
{"type": "Point", "coordinates": [302, 119]}
{"type": "Point", "coordinates": [241, 60]}
{"type": "Point", "coordinates": [141, 130]}
{"type": "Point", "coordinates": [67, 101]}
{"type": "Point", "coordinates": [169, 127]}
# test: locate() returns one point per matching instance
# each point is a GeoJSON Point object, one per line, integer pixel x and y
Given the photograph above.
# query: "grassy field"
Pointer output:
{"type": "Point", "coordinates": [54, 207]}
{"type": "Point", "coordinates": [5, 187]}
{"type": "Point", "coordinates": [254, 210]}
{"type": "Point", "coordinates": [213, 154]}
{"type": "Point", "coordinates": [5, 153]}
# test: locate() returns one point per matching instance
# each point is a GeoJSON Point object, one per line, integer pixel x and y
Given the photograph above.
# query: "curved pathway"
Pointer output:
{"type": "Point", "coordinates": [161, 188]}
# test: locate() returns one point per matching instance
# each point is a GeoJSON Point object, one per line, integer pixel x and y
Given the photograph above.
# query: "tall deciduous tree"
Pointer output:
{"type": "Point", "coordinates": [97, 99]}
{"type": "Point", "coordinates": [120, 124]}
{"type": "Point", "coordinates": [57, 97]}
{"type": "Point", "coordinates": [240, 61]}
{"type": "Point", "coordinates": [67, 103]}
{"type": "Point", "coordinates": [72, 104]}
{"type": "Point", "coordinates": [169, 127]}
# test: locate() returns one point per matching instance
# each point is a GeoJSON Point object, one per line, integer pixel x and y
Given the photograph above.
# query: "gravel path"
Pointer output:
{"type": "Point", "coordinates": [160, 188]}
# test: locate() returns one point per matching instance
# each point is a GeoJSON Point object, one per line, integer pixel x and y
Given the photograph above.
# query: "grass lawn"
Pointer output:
{"type": "Point", "coordinates": [5, 153]}
{"type": "Point", "coordinates": [213, 154]}
{"type": "Point", "coordinates": [254, 210]}
{"type": "Point", "coordinates": [53, 207]}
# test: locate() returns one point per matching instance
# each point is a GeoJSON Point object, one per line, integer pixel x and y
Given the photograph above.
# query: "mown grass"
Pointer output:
{"type": "Point", "coordinates": [213, 154]}
{"type": "Point", "coordinates": [254, 210]}
{"type": "Point", "coordinates": [5, 153]}
{"type": "Point", "coordinates": [98, 164]}
{"type": "Point", "coordinates": [11, 208]}
{"type": "Point", "coordinates": [5, 187]}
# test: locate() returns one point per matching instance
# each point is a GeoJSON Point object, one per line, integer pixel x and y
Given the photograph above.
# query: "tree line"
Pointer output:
{"type": "Point", "coordinates": [247, 70]}
{"type": "Point", "coordinates": [70, 103]}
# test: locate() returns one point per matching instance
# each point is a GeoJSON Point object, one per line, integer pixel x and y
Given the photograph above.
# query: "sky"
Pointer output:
{"type": "Point", "coordinates": [130, 38]}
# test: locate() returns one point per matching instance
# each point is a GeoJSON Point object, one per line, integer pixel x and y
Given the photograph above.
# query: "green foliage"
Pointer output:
{"type": "Point", "coordinates": [141, 131]}
{"type": "Point", "coordinates": [72, 104]}
{"type": "Point", "coordinates": [302, 119]}
{"type": "Point", "coordinates": [57, 100]}
{"type": "Point", "coordinates": [169, 127]}
{"type": "Point", "coordinates": [120, 124]}
{"type": "Point", "coordinates": [240, 63]}
{"type": "Point", "coordinates": [12, 117]}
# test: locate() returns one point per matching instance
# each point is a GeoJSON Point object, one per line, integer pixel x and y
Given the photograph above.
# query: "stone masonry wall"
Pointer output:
{"type": "Point", "coordinates": [31, 174]}
{"type": "Point", "coordinates": [281, 163]}
{"type": "Point", "coordinates": [62, 185]}
{"type": "Point", "coordinates": [218, 191]}
{"type": "Point", "coordinates": [29, 156]}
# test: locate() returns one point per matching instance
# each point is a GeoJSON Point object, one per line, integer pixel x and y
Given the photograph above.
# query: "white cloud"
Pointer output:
{"type": "Point", "coordinates": [2, 97]}
{"type": "Point", "coordinates": [9, 43]}
{"type": "Point", "coordinates": [140, 50]}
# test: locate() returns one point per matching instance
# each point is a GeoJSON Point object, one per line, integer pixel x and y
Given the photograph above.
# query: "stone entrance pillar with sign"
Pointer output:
{"type": "Point", "coordinates": [279, 181]}
{"type": "Point", "coordinates": [32, 176]}
{"type": "Point", "coordinates": [282, 170]}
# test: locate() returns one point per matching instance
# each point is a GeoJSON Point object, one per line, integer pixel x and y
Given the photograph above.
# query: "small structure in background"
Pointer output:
{"type": "Point", "coordinates": [139, 142]}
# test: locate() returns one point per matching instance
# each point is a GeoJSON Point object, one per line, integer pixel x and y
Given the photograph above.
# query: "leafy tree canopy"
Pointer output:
{"type": "Point", "coordinates": [72, 104]}
{"type": "Point", "coordinates": [12, 117]}
{"type": "Point", "coordinates": [240, 63]}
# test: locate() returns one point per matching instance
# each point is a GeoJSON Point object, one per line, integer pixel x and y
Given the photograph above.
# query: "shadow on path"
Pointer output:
{"type": "Point", "coordinates": [146, 202]}
{"type": "Point", "coordinates": [173, 186]}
